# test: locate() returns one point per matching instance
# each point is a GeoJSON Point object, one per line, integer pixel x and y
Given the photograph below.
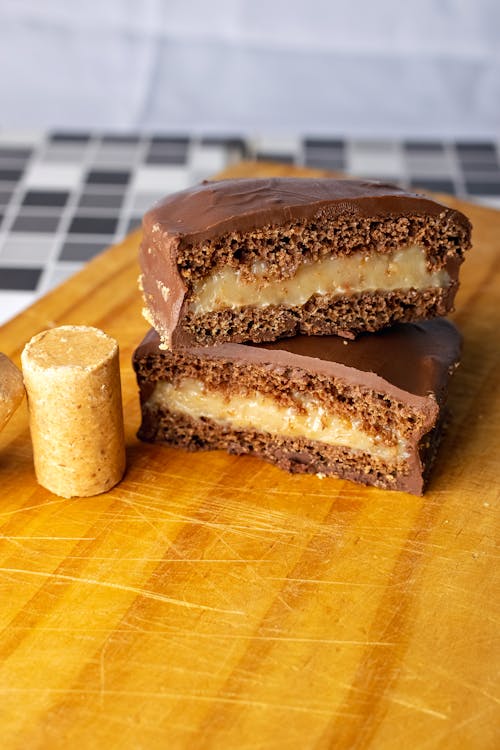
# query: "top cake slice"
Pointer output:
{"type": "Point", "coordinates": [255, 260]}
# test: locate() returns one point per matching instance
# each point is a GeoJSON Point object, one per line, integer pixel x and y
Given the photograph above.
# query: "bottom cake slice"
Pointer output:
{"type": "Point", "coordinates": [368, 410]}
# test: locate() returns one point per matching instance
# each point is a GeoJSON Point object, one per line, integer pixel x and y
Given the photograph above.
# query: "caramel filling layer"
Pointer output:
{"type": "Point", "coordinates": [308, 420]}
{"type": "Point", "coordinates": [351, 274]}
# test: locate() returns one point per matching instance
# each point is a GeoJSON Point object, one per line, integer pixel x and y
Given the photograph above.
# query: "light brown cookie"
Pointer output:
{"type": "Point", "coordinates": [11, 389]}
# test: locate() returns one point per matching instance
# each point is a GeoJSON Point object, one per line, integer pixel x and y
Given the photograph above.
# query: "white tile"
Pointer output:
{"type": "Point", "coordinates": [114, 155]}
{"type": "Point", "coordinates": [60, 274]}
{"type": "Point", "coordinates": [64, 176]}
{"type": "Point", "coordinates": [20, 137]}
{"type": "Point", "coordinates": [439, 166]}
{"type": "Point", "coordinates": [284, 144]}
{"type": "Point", "coordinates": [11, 303]}
{"type": "Point", "coordinates": [485, 200]}
{"type": "Point", "coordinates": [26, 249]}
{"type": "Point", "coordinates": [143, 201]}
{"type": "Point", "coordinates": [374, 147]}
{"type": "Point", "coordinates": [161, 179]}
{"type": "Point", "coordinates": [63, 152]}
{"type": "Point", "coordinates": [210, 159]}
{"type": "Point", "coordinates": [372, 164]}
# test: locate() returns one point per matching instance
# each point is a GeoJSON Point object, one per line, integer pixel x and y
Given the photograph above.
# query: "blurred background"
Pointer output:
{"type": "Point", "coordinates": [107, 105]}
{"type": "Point", "coordinates": [385, 68]}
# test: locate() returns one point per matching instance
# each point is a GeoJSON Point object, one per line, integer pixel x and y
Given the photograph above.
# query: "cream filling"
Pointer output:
{"type": "Point", "coordinates": [263, 413]}
{"type": "Point", "coordinates": [351, 274]}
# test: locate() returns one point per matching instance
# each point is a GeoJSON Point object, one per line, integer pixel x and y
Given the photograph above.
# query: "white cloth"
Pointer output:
{"type": "Point", "coordinates": [368, 68]}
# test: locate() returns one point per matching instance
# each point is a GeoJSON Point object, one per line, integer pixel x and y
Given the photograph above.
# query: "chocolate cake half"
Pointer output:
{"type": "Point", "coordinates": [256, 260]}
{"type": "Point", "coordinates": [368, 410]}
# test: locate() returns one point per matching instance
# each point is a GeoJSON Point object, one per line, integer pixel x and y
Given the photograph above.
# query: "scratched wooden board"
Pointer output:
{"type": "Point", "coordinates": [212, 601]}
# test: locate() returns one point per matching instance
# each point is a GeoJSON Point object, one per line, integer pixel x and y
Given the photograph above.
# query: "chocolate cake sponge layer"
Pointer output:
{"type": "Point", "coordinates": [297, 456]}
{"type": "Point", "coordinates": [367, 410]}
{"type": "Point", "coordinates": [247, 260]}
{"type": "Point", "coordinates": [345, 316]}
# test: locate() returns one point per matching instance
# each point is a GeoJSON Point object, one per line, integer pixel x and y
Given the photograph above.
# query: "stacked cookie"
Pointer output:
{"type": "Point", "coordinates": [301, 321]}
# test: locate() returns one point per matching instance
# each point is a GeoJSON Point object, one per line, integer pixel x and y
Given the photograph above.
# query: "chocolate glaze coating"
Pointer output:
{"type": "Point", "coordinates": [411, 363]}
{"type": "Point", "coordinates": [213, 209]}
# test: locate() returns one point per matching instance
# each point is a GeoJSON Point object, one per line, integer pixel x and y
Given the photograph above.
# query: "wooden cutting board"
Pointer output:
{"type": "Point", "coordinates": [211, 601]}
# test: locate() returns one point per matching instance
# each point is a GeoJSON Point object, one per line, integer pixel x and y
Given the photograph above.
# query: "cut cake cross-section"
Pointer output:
{"type": "Point", "coordinates": [368, 410]}
{"type": "Point", "coordinates": [257, 260]}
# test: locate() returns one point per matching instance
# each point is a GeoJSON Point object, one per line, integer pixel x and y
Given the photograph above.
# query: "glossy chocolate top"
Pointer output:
{"type": "Point", "coordinates": [410, 361]}
{"type": "Point", "coordinates": [212, 208]}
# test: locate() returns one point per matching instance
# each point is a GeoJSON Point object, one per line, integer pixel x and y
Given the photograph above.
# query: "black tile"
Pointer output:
{"type": "Point", "coordinates": [107, 177]}
{"type": "Point", "coordinates": [20, 279]}
{"type": "Point", "coordinates": [5, 196]}
{"type": "Point", "coordinates": [489, 187]}
{"type": "Point", "coordinates": [331, 143]}
{"type": "Point", "coordinates": [175, 147]}
{"type": "Point", "coordinates": [324, 162]}
{"type": "Point", "coordinates": [437, 185]}
{"type": "Point", "coordinates": [478, 157]}
{"type": "Point", "coordinates": [93, 225]}
{"type": "Point", "coordinates": [170, 140]}
{"type": "Point", "coordinates": [324, 151]}
{"type": "Point", "coordinates": [14, 152]}
{"type": "Point", "coordinates": [225, 141]}
{"type": "Point", "coordinates": [280, 158]}
{"type": "Point", "coordinates": [121, 138]}
{"type": "Point", "coordinates": [104, 201]}
{"type": "Point", "coordinates": [38, 224]}
{"type": "Point", "coordinates": [419, 146]}
{"type": "Point", "coordinates": [104, 189]}
{"type": "Point", "coordinates": [46, 198]}
{"type": "Point", "coordinates": [168, 147]}
{"type": "Point", "coordinates": [80, 251]}
{"type": "Point", "coordinates": [173, 157]}
{"type": "Point", "coordinates": [69, 137]}
{"type": "Point", "coordinates": [485, 148]}
{"type": "Point", "coordinates": [134, 223]}
{"type": "Point", "coordinates": [480, 167]}
{"type": "Point", "coordinates": [10, 175]}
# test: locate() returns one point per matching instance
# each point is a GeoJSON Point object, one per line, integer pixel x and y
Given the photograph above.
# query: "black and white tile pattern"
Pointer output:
{"type": "Point", "coordinates": [64, 197]}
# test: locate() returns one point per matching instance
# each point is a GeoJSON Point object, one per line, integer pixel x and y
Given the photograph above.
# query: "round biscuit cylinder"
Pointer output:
{"type": "Point", "coordinates": [72, 379]}
{"type": "Point", "coordinates": [11, 389]}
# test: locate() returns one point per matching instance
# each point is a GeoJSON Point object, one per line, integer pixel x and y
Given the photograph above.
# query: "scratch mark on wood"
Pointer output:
{"type": "Point", "coordinates": [102, 673]}
{"type": "Point", "coordinates": [224, 636]}
{"type": "Point", "coordinates": [48, 538]}
{"type": "Point", "coordinates": [239, 489]}
{"type": "Point", "coordinates": [182, 561]}
{"type": "Point", "coordinates": [325, 582]}
{"type": "Point", "coordinates": [122, 587]}
{"type": "Point", "coordinates": [465, 683]}
{"type": "Point", "coordinates": [434, 740]}
{"type": "Point", "coordinates": [292, 639]}
{"type": "Point", "coordinates": [37, 506]}
{"type": "Point", "coordinates": [421, 709]}
{"type": "Point", "coordinates": [177, 696]}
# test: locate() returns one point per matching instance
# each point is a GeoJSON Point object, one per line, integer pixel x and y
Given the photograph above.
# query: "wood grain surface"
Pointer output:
{"type": "Point", "coordinates": [213, 601]}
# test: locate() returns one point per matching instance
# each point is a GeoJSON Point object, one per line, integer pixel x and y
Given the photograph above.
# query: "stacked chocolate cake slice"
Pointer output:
{"type": "Point", "coordinates": [300, 320]}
